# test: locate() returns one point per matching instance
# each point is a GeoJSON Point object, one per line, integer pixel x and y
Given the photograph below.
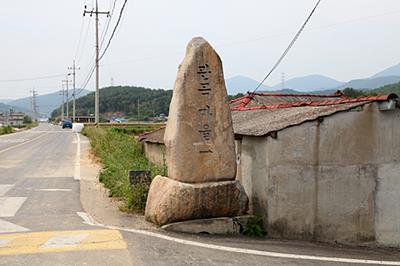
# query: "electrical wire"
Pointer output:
{"type": "Point", "coordinates": [80, 38]}
{"type": "Point", "coordinates": [34, 78]}
{"type": "Point", "coordinates": [84, 42]}
{"type": "Point", "coordinates": [108, 24]}
{"type": "Point", "coordinates": [289, 47]}
{"type": "Point", "coordinates": [114, 30]}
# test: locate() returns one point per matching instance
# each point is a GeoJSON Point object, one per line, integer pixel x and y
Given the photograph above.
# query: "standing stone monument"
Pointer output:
{"type": "Point", "coordinates": [200, 146]}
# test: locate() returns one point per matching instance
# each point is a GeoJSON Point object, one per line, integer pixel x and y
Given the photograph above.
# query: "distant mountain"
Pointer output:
{"type": "Point", "coordinates": [242, 84]}
{"type": "Point", "coordinates": [369, 83]}
{"type": "Point", "coordinates": [390, 71]}
{"type": "Point", "coordinates": [6, 108]}
{"type": "Point", "coordinates": [310, 83]}
{"type": "Point", "coordinates": [46, 103]}
{"type": "Point", "coordinates": [5, 100]}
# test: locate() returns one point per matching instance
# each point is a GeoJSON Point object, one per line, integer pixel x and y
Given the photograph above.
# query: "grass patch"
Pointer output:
{"type": "Point", "coordinates": [120, 152]}
{"type": "Point", "coordinates": [6, 130]}
{"type": "Point", "coordinates": [254, 227]}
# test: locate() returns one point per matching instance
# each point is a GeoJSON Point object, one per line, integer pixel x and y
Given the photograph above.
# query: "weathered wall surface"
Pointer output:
{"type": "Point", "coordinates": [387, 215]}
{"type": "Point", "coordinates": [332, 180]}
{"type": "Point", "coordinates": [155, 152]}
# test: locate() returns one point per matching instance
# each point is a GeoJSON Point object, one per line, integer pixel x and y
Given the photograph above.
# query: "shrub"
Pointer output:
{"type": "Point", "coordinates": [120, 153]}
{"type": "Point", "coordinates": [6, 130]}
{"type": "Point", "coordinates": [254, 227]}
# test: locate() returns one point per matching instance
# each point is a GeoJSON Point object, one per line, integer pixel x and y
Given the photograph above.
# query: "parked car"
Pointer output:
{"type": "Point", "coordinates": [66, 123]}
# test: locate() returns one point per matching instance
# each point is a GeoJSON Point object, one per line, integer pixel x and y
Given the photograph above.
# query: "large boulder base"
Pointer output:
{"type": "Point", "coordinates": [172, 201]}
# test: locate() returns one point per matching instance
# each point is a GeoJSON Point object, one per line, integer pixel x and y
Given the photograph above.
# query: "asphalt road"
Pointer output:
{"type": "Point", "coordinates": [40, 225]}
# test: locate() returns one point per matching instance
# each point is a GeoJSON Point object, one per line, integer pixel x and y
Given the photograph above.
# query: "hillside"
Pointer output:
{"type": "Point", "coordinates": [46, 103]}
{"type": "Point", "coordinates": [392, 88]}
{"type": "Point", "coordinates": [370, 83]}
{"type": "Point", "coordinates": [310, 83]}
{"type": "Point", "coordinates": [6, 108]}
{"type": "Point", "coordinates": [390, 71]}
{"type": "Point", "coordinates": [125, 101]}
{"type": "Point", "coordinates": [242, 84]}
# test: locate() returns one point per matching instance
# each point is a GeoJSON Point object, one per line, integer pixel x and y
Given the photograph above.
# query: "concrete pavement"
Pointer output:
{"type": "Point", "coordinates": [40, 198]}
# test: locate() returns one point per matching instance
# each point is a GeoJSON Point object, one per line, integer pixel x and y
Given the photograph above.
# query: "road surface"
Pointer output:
{"type": "Point", "coordinates": [40, 225]}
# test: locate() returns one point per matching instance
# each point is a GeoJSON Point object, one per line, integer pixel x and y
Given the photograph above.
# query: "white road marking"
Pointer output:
{"type": "Point", "coordinates": [53, 189]}
{"type": "Point", "coordinates": [64, 241]}
{"type": "Point", "coordinates": [4, 242]}
{"type": "Point", "coordinates": [4, 189]}
{"type": "Point", "coordinates": [10, 205]}
{"type": "Point", "coordinates": [7, 227]}
{"type": "Point", "coordinates": [22, 143]}
{"type": "Point", "coordinates": [77, 172]}
{"type": "Point", "coordinates": [89, 220]}
{"type": "Point", "coordinates": [12, 140]}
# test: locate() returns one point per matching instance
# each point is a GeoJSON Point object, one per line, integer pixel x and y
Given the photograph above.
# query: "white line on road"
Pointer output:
{"type": "Point", "coordinates": [4, 189]}
{"type": "Point", "coordinates": [89, 220]}
{"type": "Point", "coordinates": [53, 189]}
{"type": "Point", "coordinates": [77, 173]}
{"type": "Point", "coordinates": [64, 241]}
{"type": "Point", "coordinates": [5, 241]}
{"type": "Point", "coordinates": [22, 143]}
{"type": "Point", "coordinates": [7, 227]}
{"type": "Point", "coordinates": [10, 205]}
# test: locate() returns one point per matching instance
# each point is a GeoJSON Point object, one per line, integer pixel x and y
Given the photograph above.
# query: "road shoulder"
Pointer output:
{"type": "Point", "coordinates": [94, 196]}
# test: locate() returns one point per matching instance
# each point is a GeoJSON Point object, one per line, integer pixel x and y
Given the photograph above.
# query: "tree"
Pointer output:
{"type": "Point", "coordinates": [353, 93]}
{"type": "Point", "coordinates": [27, 120]}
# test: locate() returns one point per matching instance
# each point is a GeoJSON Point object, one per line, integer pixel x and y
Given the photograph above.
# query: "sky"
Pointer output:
{"type": "Point", "coordinates": [345, 39]}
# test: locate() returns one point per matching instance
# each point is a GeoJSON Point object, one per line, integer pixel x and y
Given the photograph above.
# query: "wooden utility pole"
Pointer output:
{"type": "Point", "coordinates": [96, 12]}
{"type": "Point", "coordinates": [73, 68]}
{"type": "Point", "coordinates": [62, 104]}
{"type": "Point", "coordinates": [66, 81]}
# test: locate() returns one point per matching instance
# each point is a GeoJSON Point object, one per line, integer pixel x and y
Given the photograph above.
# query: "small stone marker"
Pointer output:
{"type": "Point", "coordinates": [200, 146]}
{"type": "Point", "coordinates": [139, 177]}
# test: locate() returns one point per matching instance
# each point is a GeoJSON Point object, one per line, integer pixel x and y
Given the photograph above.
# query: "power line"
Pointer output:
{"type": "Point", "coordinates": [84, 41]}
{"type": "Point", "coordinates": [108, 24]}
{"type": "Point", "coordinates": [289, 47]}
{"type": "Point", "coordinates": [80, 38]}
{"type": "Point", "coordinates": [34, 78]}
{"type": "Point", "coordinates": [114, 30]}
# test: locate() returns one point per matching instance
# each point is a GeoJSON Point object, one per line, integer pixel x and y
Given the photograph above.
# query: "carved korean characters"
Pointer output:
{"type": "Point", "coordinates": [199, 135]}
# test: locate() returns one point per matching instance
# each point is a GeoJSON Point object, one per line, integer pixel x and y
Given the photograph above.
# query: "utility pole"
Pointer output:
{"type": "Point", "coordinates": [66, 81]}
{"type": "Point", "coordinates": [138, 109]}
{"type": "Point", "coordinates": [96, 12]}
{"type": "Point", "coordinates": [62, 104]}
{"type": "Point", "coordinates": [34, 104]}
{"type": "Point", "coordinates": [73, 68]}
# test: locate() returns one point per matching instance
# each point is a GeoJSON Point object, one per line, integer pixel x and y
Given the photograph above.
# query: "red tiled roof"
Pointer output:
{"type": "Point", "coordinates": [153, 136]}
{"type": "Point", "coordinates": [255, 101]}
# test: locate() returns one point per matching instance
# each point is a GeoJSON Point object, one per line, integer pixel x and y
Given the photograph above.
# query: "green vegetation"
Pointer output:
{"type": "Point", "coordinates": [6, 130]}
{"type": "Point", "coordinates": [27, 120]}
{"type": "Point", "coordinates": [136, 103]}
{"type": "Point", "coordinates": [120, 152]}
{"type": "Point", "coordinates": [392, 88]}
{"type": "Point", "coordinates": [254, 227]}
{"type": "Point", "coordinates": [132, 129]}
